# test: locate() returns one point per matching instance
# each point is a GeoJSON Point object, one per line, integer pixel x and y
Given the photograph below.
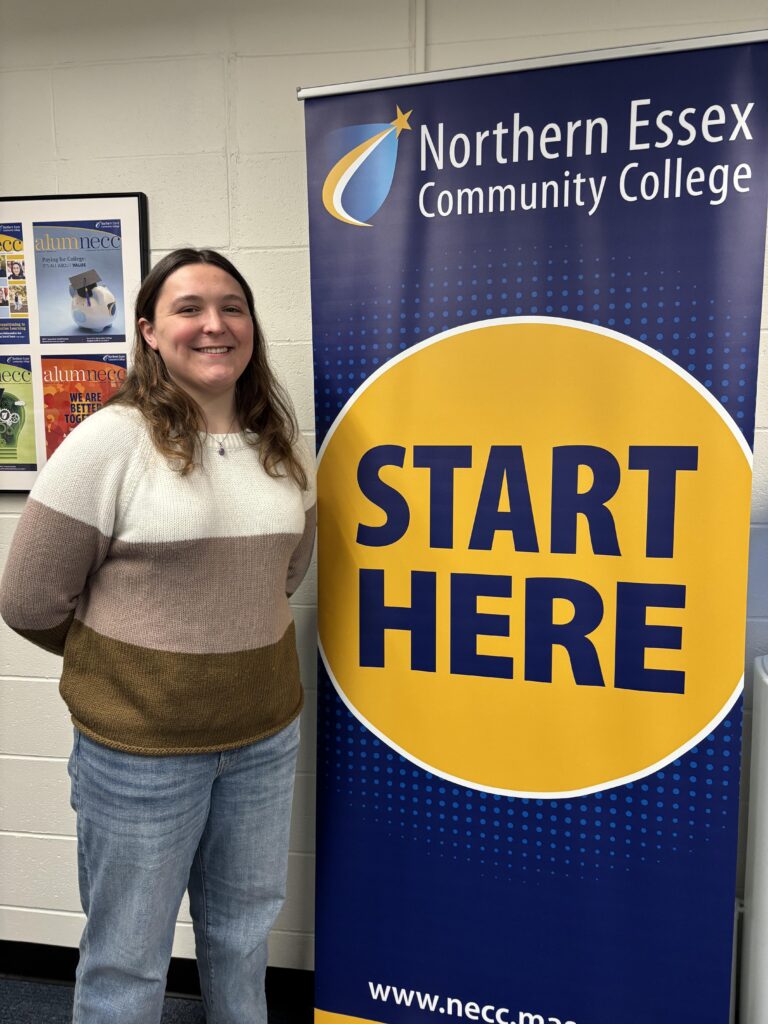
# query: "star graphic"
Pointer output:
{"type": "Point", "coordinates": [401, 122]}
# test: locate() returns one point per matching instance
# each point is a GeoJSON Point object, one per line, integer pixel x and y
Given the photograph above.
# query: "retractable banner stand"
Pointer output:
{"type": "Point", "coordinates": [536, 307]}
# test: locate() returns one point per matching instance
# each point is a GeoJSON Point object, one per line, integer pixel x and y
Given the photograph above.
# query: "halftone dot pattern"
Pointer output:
{"type": "Point", "coordinates": [664, 815]}
{"type": "Point", "coordinates": [699, 332]}
{"type": "Point", "coordinates": [667, 814]}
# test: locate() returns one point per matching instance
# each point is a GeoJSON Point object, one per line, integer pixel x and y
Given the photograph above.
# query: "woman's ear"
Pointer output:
{"type": "Point", "coordinates": [148, 332]}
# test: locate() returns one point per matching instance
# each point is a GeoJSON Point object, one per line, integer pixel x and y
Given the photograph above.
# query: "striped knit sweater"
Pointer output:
{"type": "Point", "coordinates": [166, 594]}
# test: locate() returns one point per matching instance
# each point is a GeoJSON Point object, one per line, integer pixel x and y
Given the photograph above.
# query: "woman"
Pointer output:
{"type": "Point", "coordinates": [156, 553]}
{"type": "Point", "coordinates": [15, 271]}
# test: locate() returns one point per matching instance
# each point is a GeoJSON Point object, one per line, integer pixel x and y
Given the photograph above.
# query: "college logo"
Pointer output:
{"type": "Point", "coordinates": [361, 177]}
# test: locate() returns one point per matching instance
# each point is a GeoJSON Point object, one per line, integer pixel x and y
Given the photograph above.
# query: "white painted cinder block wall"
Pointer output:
{"type": "Point", "coordinates": [194, 103]}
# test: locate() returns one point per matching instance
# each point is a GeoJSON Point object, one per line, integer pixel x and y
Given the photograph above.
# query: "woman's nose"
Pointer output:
{"type": "Point", "coordinates": [213, 323]}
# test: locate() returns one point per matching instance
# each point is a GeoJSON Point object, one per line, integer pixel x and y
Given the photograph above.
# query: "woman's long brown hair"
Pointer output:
{"type": "Point", "coordinates": [175, 419]}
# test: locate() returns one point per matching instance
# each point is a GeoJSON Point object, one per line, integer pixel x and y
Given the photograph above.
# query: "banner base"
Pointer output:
{"type": "Point", "coordinates": [325, 1017]}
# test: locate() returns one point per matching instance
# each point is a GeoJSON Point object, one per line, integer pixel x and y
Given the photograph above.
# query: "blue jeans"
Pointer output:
{"type": "Point", "coordinates": [150, 827]}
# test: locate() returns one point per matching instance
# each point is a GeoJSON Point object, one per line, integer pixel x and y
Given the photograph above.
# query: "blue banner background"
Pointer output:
{"type": "Point", "coordinates": [612, 908]}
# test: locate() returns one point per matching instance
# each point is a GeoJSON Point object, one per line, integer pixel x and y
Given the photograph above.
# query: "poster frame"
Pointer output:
{"type": "Point", "coordinates": [131, 210]}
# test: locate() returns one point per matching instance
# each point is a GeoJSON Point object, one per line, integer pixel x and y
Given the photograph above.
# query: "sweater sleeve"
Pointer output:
{"type": "Point", "coordinates": [302, 553]}
{"type": "Point", "coordinates": [66, 528]}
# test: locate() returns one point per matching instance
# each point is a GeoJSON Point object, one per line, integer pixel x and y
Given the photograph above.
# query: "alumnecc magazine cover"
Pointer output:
{"type": "Point", "coordinates": [79, 272]}
{"type": "Point", "coordinates": [14, 304]}
{"type": "Point", "coordinates": [74, 387]}
{"type": "Point", "coordinates": [17, 425]}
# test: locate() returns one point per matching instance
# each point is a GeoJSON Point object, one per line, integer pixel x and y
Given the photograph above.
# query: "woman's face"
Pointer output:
{"type": "Point", "coordinates": [202, 330]}
{"type": "Point", "coordinates": [16, 269]}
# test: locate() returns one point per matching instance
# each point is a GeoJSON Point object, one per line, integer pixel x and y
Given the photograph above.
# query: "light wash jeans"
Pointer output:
{"type": "Point", "coordinates": [150, 827]}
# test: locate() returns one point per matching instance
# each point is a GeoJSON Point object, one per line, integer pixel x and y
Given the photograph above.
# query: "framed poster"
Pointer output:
{"type": "Point", "coordinates": [70, 268]}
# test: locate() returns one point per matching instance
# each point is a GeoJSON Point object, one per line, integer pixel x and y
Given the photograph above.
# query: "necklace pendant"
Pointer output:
{"type": "Point", "coordinates": [221, 449]}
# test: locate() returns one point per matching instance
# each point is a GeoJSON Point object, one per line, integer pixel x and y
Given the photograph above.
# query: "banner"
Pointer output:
{"type": "Point", "coordinates": [536, 310]}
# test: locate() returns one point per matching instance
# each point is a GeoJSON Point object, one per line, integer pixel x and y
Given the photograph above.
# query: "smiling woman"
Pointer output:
{"type": "Point", "coordinates": [183, 516]}
{"type": "Point", "coordinates": [193, 303]}
{"type": "Point", "coordinates": [203, 332]}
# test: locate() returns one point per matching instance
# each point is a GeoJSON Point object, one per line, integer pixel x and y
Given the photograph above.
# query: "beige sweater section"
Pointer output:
{"type": "Point", "coordinates": [166, 594]}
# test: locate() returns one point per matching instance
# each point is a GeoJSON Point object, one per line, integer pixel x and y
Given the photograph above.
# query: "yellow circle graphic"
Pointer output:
{"type": "Point", "coordinates": [533, 543]}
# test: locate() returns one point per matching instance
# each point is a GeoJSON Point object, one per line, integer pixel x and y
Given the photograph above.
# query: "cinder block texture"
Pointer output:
{"type": "Point", "coordinates": [268, 118]}
{"type": "Point", "coordinates": [292, 362]}
{"type": "Point", "coordinates": [267, 190]}
{"type": "Point", "coordinates": [492, 30]}
{"type": "Point", "coordinates": [189, 197]}
{"type": "Point", "coordinates": [280, 282]}
{"type": "Point", "coordinates": [76, 32]}
{"type": "Point", "coordinates": [760, 478]}
{"type": "Point", "coordinates": [275, 27]}
{"type": "Point", "coordinates": [27, 115]}
{"type": "Point", "coordinates": [156, 107]}
{"type": "Point", "coordinates": [16, 179]}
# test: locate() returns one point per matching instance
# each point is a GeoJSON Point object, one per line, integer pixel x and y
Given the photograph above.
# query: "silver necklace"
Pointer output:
{"type": "Point", "coordinates": [220, 440]}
